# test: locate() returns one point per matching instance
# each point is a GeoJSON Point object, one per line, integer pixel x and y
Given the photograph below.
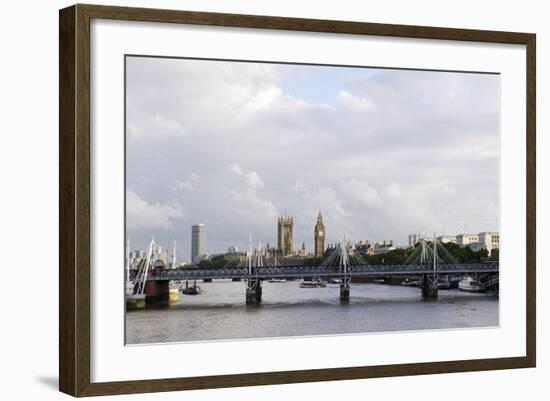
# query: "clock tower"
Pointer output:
{"type": "Point", "coordinates": [319, 237]}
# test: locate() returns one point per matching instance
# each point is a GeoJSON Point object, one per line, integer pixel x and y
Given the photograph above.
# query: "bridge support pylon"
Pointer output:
{"type": "Point", "coordinates": [429, 287]}
{"type": "Point", "coordinates": [344, 289]}
{"type": "Point", "coordinates": [157, 292]}
{"type": "Point", "coordinates": [254, 291]}
{"type": "Point", "coordinates": [344, 293]}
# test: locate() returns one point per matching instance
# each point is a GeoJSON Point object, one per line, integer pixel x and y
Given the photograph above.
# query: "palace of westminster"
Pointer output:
{"type": "Point", "coordinates": [285, 242]}
{"type": "Point", "coordinates": [285, 238]}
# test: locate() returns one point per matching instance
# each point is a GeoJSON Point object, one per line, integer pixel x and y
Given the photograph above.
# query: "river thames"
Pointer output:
{"type": "Point", "coordinates": [220, 312]}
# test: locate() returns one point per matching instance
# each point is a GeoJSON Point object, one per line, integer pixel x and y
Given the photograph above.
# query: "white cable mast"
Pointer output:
{"type": "Point", "coordinates": [143, 278]}
{"type": "Point", "coordinates": [250, 255]}
{"type": "Point", "coordinates": [344, 256]}
{"type": "Point", "coordinates": [435, 254]}
{"type": "Point", "coordinates": [128, 263]}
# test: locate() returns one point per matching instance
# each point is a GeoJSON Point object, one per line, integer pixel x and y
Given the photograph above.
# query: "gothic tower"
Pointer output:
{"type": "Point", "coordinates": [319, 237]}
{"type": "Point", "coordinates": [285, 240]}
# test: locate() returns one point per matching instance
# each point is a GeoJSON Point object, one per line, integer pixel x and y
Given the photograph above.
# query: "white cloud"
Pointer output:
{"type": "Point", "coordinates": [362, 192]}
{"type": "Point", "coordinates": [185, 185]}
{"type": "Point", "coordinates": [141, 215]}
{"type": "Point", "coordinates": [264, 99]}
{"type": "Point", "coordinates": [251, 177]}
{"type": "Point", "coordinates": [188, 184]}
{"type": "Point", "coordinates": [234, 167]}
{"type": "Point", "coordinates": [300, 185]}
{"type": "Point", "coordinates": [354, 102]}
{"type": "Point", "coordinates": [392, 191]}
{"type": "Point", "coordinates": [155, 124]}
{"type": "Point", "coordinates": [254, 180]}
{"type": "Point", "coordinates": [388, 153]}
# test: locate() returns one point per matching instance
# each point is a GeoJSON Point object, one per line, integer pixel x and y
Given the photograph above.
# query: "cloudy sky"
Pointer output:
{"type": "Point", "coordinates": [382, 153]}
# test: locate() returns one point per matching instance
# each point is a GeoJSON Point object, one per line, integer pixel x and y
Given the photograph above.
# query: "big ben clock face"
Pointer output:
{"type": "Point", "coordinates": [321, 233]}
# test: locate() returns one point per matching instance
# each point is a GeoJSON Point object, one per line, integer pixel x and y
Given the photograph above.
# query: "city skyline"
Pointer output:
{"type": "Point", "coordinates": [198, 243]}
{"type": "Point", "coordinates": [383, 153]}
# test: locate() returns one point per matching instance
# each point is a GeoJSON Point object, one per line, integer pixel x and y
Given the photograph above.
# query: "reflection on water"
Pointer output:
{"type": "Point", "coordinates": [287, 310]}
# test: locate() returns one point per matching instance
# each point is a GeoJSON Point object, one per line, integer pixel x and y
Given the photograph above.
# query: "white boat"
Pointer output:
{"type": "Point", "coordinates": [410, 283]}
{"type": "Point", "coordinates": [278, 280]}
{"type": "Point", "coordinates": [129, 288]}
{"type": "Point", "coordinates": [470, 284]}
{"type": "Point", "coordinates": [312, 284]}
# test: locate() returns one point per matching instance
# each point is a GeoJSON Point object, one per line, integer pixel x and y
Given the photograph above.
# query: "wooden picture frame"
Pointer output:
{"type": "Point", "coordinates": [75, 210]}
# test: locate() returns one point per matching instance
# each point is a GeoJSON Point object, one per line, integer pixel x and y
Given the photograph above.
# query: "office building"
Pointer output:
{"type": "Point", "coordinates": [198, 242]}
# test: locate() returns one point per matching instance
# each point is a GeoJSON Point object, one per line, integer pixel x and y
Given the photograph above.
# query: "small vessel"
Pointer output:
{"type": "Point", "coordinates": [444, 283]}
{"type": "Point", "coordinates": [409, 283]}
{"type": "Point", "coordinates": [278, 280]}
{"type": "Point", "coordinates": [129, 288]}
{"type": "Point", "coordinates": [379, 281]}
{"type": "Point", "coordinates": [191, 291]}
{"type": "Point", "coordinates": [470, 284]}
{"type": "Point", "coordinates": [334, 281]}
{"type": "Point", "coordinates": [194, 290]}
{"type": "Point", "coordinates": [173, 295]}
{"type": "Point", "coordinates": [312, 284]}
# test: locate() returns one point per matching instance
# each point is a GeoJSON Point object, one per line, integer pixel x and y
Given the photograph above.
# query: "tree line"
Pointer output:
{"type": "Point", "coordinates": [395, 257]}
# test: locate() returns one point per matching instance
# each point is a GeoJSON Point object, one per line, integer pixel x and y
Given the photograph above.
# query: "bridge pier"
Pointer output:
{"type": "Point", "coordinates": [254, 291]}
{"type": "Point", "coordinates": [345, 281]}
{"type": "Point", "coordinates": [429, 287]}
{"type": "Point", "coordinates": [157, 292]}
{"type": "Point", "coordinates": [344, 293]}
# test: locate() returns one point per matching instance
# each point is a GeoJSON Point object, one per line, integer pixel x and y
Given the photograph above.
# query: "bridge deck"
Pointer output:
{"type": "Point", "coordinates": [196, 273]}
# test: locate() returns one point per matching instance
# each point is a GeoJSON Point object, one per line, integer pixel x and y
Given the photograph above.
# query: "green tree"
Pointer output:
{"type": "Point", "coordinates": [215, 262]}
{"type": "Point", "coordinates": [395, 257]}
{"type": "Point", "coordinates": [313, 261]}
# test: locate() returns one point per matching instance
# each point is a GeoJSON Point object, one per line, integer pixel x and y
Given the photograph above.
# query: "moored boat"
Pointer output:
{"type": "Point", "coordinates": [410, 283]}
{"type": "Point", "coordinates": [470, 284]}
{"type": "Point", "coordinates": [173, 295]}
{"type": "Point", "coordinates": [312, 284]}
{"type": "Point", "coordinates": [194, 290]}
{"type": "Point", "coordinates": [444, 283]}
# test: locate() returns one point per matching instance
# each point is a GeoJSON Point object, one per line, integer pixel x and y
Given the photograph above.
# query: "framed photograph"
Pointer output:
{"type": "Point", "coordinates": [249, 200]}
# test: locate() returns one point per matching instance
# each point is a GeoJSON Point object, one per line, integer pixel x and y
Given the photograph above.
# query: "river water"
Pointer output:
{"type": "Point", "coordinates": [288, 310]}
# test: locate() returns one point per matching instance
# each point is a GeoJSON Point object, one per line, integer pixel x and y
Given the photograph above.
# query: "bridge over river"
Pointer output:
{"type": "Point", "coordinates": [305, 272]}
{"type": "Point", "coordinates": [428, 263]}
